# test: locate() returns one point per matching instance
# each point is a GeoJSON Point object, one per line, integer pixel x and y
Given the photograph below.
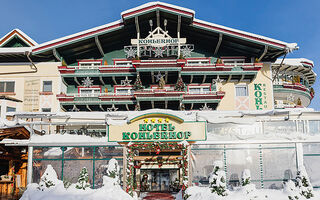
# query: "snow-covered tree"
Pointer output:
{"type": "Point", "coordinates": [246, 177]}
{"type": "Point", "coordinates": [217, 179]}
{"type": "Point", "coordinates": [303, 183]}
{"type": "Point", "coordinates": [291, 190]}
{"type": "Point", "coordinates": [48, 179]}
{"type": "Point", "coordinates": [83, 179]}
{"type": "Point", "coordinates": [113, 170]}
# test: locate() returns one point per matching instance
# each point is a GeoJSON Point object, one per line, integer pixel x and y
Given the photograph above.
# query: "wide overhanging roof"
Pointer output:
{"type": "Point", "coordinates": [115, 35]}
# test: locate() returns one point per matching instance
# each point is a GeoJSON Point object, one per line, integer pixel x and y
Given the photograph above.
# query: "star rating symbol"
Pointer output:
{"type": "Point", "coordinates": [167, 120]}
{"type": "Point", "coordinates": [145, 120]}
{"type": "Point", "coordinates": [153, 120]}
{"type": "Point", "coordinates": [160, 120]}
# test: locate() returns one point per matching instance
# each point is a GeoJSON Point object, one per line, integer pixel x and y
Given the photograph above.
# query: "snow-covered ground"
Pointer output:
{"type": "Point", "coordinates": [204, 193]}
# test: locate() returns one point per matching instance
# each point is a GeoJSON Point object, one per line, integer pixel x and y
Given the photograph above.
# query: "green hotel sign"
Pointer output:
{"type": "Point", "coordinates": [157, 127]}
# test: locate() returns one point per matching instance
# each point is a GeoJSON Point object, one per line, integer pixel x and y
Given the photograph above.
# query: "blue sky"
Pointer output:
{"type": "Point", "coordinates": [285, 20]}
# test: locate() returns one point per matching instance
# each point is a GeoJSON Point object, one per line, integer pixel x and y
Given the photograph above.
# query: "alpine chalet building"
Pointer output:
{"type": "Point", "coordinates": [166, 95]}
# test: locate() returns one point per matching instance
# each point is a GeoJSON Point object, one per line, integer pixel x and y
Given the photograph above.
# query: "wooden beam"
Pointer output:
{"type": "Point", "coordinates": [56, 54]}
{"type": "Point", "coordinates": [96, 39]}
{"type": "Point", "coordinates": [158, 18]}
{"type": "Point", "coordinates": [88, 107]}
{"type": "Point", "coordinates": [101, 80]}
{"type": "Point", "coordinates": [264, 53]}
{"type": "Point", "coordinates": [101, 107]}
{"type": "Point", "coordinates": [218, 44]}
{"type": "Point", "coordinates": [114, 80]}
{"type": "Point", "coordinates": [204, 78]}
{"type": "Point", "coordinates": [76, 80]}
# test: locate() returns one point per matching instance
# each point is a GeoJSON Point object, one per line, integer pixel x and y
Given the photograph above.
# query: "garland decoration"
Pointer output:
{"type": "Point", "coordinates": [157, 147]}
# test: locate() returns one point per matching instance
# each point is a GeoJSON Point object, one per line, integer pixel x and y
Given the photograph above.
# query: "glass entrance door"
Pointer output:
{"type": "Point", "coordinates": [158, 180]}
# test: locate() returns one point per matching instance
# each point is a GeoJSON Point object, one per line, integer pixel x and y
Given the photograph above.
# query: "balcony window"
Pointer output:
{"type": "Point", "coordinates": [47, 86]}
{"type": "Point", "coordinates": [233, 61]}
{"type": "Point", "coordinates": [123, 63]}
{"type": "Point", "coordinates": [124, 90]}
{"type": "Point", "coordinates": [241, 91]}
{"type": "Point", "coordinates": [7, 86]}
{"type": "Point", "coordinates": [196, 62]}
{"type": "Point", "coordinates": [199, 89]}
{"type": "Point", "coordinates": [89, 91]}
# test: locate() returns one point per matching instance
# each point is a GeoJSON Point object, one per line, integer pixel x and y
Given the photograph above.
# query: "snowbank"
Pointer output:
{"type": "Point", "coordinates": [204, 193]}
{"type": "Point", "coordinates": [50, 188]}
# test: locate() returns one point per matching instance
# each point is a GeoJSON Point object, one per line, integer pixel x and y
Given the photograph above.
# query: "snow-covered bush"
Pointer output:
{"type": "Point", "coordinates": [303, 183]}
{"type": "Point", "coordinates": [48, 179]}
{"type": "Point", "coordinates": [246, 177]}
{"type": "Point", "coordinates": [291, 190]}
{"type": "Point", "coordinates": [83, 179]}
{"type": "Point", "coordinates": [217, 179]}
{"type": "Point", "coordinates": [113, 170]}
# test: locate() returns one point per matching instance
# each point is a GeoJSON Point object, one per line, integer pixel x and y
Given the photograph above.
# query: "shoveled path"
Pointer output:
{"type": "Point", "coordinates": [158, 196]}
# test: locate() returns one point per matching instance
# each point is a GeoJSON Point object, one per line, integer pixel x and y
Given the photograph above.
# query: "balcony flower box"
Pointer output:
{"type": "Point", "coordinates": [6, 178]}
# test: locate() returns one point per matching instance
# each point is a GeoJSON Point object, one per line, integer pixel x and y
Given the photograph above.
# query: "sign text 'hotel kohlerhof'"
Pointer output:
{"type": "Point", "coordinates": [157, 127]}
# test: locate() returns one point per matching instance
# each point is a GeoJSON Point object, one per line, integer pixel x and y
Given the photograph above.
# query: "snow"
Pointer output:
{"type": "Point", "coordinates": [109, 190]}
{"type": "Point", "coordinates": [294, 61]}
{"type": "Point", "coordinates": [204, 193]}
{"type": "Point", "coordinates": [58, 139]}
{"type": "Point", "coordinates": [49, 179]}
{"type": "Point", "coordinates": [218, 163]}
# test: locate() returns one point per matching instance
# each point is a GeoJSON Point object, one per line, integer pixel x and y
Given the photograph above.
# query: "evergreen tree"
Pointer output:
{"type": "Point", "coordinates": [217, 180]}
{"type": "Point", "coordinates": [48, 179]}
{"type": "Point", "coordinates": [137, 84]}
{"type": "Point", "coordinates": [83, 179]}
{"type": "Point", "coordinates": [180, 86]}
{"type": "Point", "coordinates": [303, 183]}
{"type": "Point", "coordinates": [291, 190]}
{"type": "Point", "coordinates": [113, 170]}
{"type": "Point", "coordinates": [246, 177]}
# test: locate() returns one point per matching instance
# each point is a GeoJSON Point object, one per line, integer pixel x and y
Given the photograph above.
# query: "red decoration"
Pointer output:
{"type": "Point", "coordinates": [158, 151]}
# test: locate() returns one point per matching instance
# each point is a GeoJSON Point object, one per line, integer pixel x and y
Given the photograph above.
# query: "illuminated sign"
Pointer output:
{"type": "Point", "coordinates": [157, 127]}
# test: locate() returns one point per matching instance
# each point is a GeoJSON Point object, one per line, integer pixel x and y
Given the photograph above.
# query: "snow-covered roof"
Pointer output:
{"type": "Point", "coordinates": [74, 37]}
{"type": "Point", "coordinates": [172, 8]}
{"type": "Point", "coordinates": [300, 65]}
{"type": "Point", "coordinates": [15, 50]}
{"type": "Point", "coordinates": [231, 31]}
{"type": "Point", "coordinates": [153, 4]}
{"type": "Point", "coordinates": [17, 32]}
{"type": "Point", "coordinates": [294, 61]}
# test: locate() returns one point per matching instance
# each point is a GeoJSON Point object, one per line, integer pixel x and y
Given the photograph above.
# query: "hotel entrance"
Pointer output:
{"type": "Point", "coordinates": [157, 167]}
{"type": "Point", "coordinates": [158, 171]}
{"type": "Point", "coordinates": [159, 180]}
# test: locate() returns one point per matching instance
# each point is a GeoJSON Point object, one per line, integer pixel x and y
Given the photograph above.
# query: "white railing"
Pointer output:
{"type": "Point", "coordinates": [97, 94]}
{"type": "Point", "coordinates": [227, 64]}
{"type": "Point", "coordinates": [202, 92]}
{"type": "Point", "coordinates": [98, 66]}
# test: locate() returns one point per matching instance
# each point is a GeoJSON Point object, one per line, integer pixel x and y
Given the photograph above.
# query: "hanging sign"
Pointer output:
{"type": "Point", "coordinates": [158, 38]}
{"type": "Point", "coordinates": [157, 127]}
